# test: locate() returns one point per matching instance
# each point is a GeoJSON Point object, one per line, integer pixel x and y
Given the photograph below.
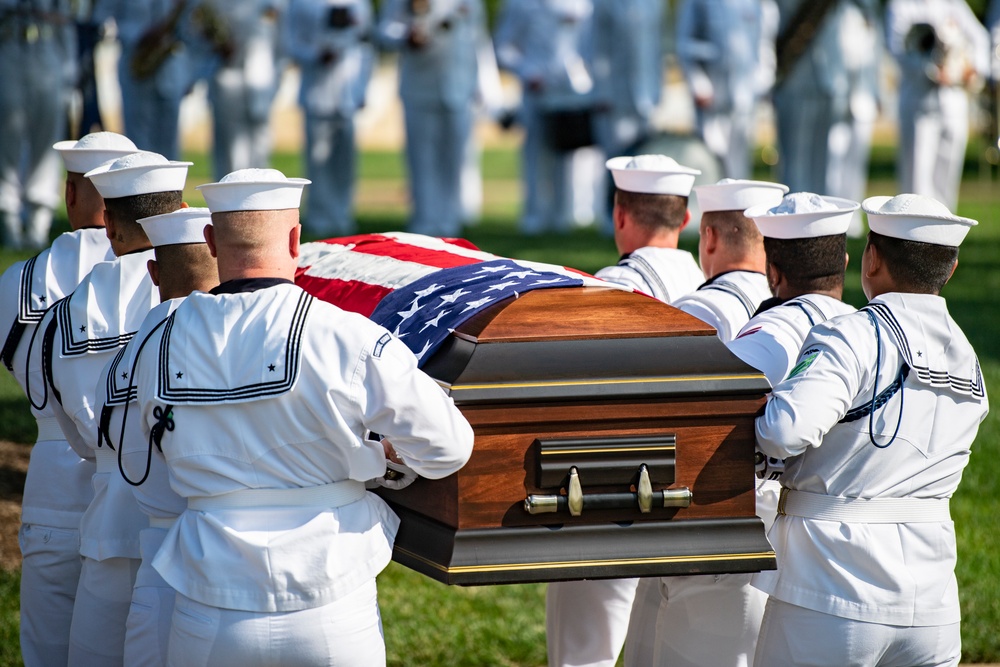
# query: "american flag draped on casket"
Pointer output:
{"type": "Point", "coordinates": [613, 433]}
{"type": "Point", "coordinates": [421, 287]}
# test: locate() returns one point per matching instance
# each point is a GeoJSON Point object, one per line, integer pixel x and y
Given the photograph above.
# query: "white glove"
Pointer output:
{"type": "Point", "coordinates": [397, 476]}
{"type": "Point", "coordinates": [767, 467]}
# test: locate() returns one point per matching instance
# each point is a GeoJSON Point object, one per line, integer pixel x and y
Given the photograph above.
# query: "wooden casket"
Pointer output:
{"type": "Point", "coordinates": [614, 437]}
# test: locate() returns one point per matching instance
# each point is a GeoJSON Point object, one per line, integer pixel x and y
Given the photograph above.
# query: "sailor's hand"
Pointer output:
{"type": "Point", "coordinates": [397, 476]}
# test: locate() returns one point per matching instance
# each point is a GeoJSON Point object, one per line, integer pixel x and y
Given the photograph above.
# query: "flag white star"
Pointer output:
{"type": "Point", "coordinates": [454, 296]}
{"type": "Point", "coordinates": [407, 314]}
{"type": "Point", "coordinates": [434, 322]}
{"type": "Point", "coordinates": [500, 286]}
{"type": "Point", "coordinates": [475, 304]}
{"type": "Point", "coordinates": [494, 269]}
{"type": "Point", "coordinates": [548, 282]}
{"type": "Point", "coordinates": [520, 274]}
{"type": "Point", "coordinates": [421, 353]}
{"type": "Point", "coordinates": [429, 290]}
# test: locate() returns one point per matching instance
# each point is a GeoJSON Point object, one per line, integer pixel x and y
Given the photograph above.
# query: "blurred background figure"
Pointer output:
{"type": "Point", "coordinates": [330, 40]}
{"type": "Point", "coordinates": [242, 39]}
{"type": "Point", "coordinates": [718, 44]}
{"type": "Point", "coordinates": [37, 68]}
{"type": "Point", "coordinates": [547, 45]}
{"type": "Point", "coordinates": [810, 89]}
{"type": "Point", "coordinates": [628, 78]}
{"type": "Point", "coordinates": [489, 104]}
{"type": "Point", "coordinates": [153, 69]}
{"type": "Point", "coordinates": [850, 140]}
{"type": "Point", "coordinates": [438, 81]}
{"type": "Point", "coordinates": [87, 117]}
{"type": "Point", "coordinates": [943, 53]}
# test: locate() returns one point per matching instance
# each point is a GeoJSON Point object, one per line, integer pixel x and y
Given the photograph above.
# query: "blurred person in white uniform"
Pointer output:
{"type": "Point", "coordinates": [82, 333]}
{"type": "Point", "coordinates": [274, 559]}
{"type": "Point", "coordinates": [650, 211]}
{"type": "Point", "coordinates": [57, 487]}
{"type": "Point", "coordinates": [943, 52]}
{"type": "Point", "coordinates": [242, 37]}
{"type": "Point", "coordinates": [586, 621]}
{"type": "Point", "coordinates": [875, 424]}
{"type": "Point", "coordinates": [860, 34]}
{"type": "Point", "coordinates": [811, 88]}
{"type": "Point", "coordinates": [548, 45]}
{"type": "Point", "coordinates": [37, 67]}
{"type": "Point", "coordinates": [437, 42]}
{"type": "Point", "coordinates": [718, 45]}
{"type": "Point", "coordinates": [330, 40]}
{"type": "Point", "coordinates": [182, 265]}
{"type": "Point", "coordinates": [152, 86]}
{"type": "Point", "coordinates": [731, 255]}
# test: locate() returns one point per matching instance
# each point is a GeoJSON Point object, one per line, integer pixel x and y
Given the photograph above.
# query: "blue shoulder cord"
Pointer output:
{"type": "Point", "coordinates": [872, 406]}
{"type": "Point", "coordinates": [164, 419]}
{"type": "Point", "coordinates": [47, 343]}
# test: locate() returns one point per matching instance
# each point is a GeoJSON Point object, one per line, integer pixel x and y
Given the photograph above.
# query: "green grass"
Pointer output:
{"type": "Point", "coordinates": [427, 623]}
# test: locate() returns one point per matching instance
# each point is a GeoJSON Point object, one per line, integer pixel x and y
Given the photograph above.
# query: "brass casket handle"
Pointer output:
{"type": "Point", "coordinates": [575, 501]}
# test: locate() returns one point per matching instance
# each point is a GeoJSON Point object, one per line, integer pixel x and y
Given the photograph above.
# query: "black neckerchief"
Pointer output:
{"type": "Point", "coordinates": [239, 285]}
{"type": "Point", "coordinates": [768, 304]}
{"type": "Point", "coordinates": [725, 273]}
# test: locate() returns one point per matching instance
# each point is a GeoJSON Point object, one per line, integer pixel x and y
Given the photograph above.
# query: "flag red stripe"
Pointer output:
{"type": "Point", "coordinates": [352, 295]}
{"type": "Point", "coordinates": [385, 246]}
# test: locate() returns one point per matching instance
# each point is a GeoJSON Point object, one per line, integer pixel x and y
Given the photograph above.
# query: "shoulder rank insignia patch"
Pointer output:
{"type": "Point", "coordinates": [380, 345]}
{"type": "Point", "coordinates": [805, 361]}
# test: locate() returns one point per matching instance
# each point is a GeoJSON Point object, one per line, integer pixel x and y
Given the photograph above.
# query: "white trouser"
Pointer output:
{"type": "Point", "coordinates": [472, 179]}
{"type": "Point", "coordinates": [728, 134]}
{"type": "Point", "coordinates": [151, 116]}
{"type": "Point", "coordinates": [147, 630]}
{"type": "Point", "coordinates": [933, 132]}
{"type": "Point", "coordinates": [699, 620]}
{"type": "Point", "coordinates": [546, 177]}
{"type": "Point", "coordinates": [436, 138]}
{"type": "Point", "coordinates": [330, 161]}
{"type": "Point", "coordinates": [97, 635]}
{"type": "Point", "coordinates": [50, 570]}
{"type": "Point", "coordinates": [346, 633]}
{"type": "Point", "coordinates": [586, 621]}
{"type": "Point", "coordinates": [799, 637]}
{"type": "Point", "coordinates": [241, 136]}
{"type": "Point", "coordinates": [803, 124]}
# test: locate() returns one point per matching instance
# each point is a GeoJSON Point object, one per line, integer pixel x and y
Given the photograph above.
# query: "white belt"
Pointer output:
{"type": "Point", "coordinates": [862, 510]}
{"type": "Point", "coordinates": [49, 429]}
{"type": "Point", "coordinates": [163, 523]}
{"type": "Point", "coordinates": [332, 495]}
{"type": "Point", "coordinates": [107, 460]}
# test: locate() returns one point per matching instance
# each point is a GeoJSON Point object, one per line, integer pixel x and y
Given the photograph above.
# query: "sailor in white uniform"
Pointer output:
{"type": "Point", "coordinates": [714, 620]}
{"type": "Point", "coordinates": [183, 264]}
{"type": "Point", "coordinates": [274, 559]}
{"type": "Point", "coordinates": [586, 621]}
{"type": "Point", "coordinates": [438, 82]}
{"type": "Point", "coordinates": [150, 101]}
{"type": "Point", "coordinates": [661, 629]}
{"type": "Point", "coordinates": [943, 52]}
{"type": "Point", "coordinates": [875, 424]}
{"type": "Point", "coordinates": [37, 67]}
{"type": "Point", "coordinates": [731, 255]}
{"type": "Point", "coordinates": [82, 333]}
{"type": "Point", "coordinates": [718, 44]}
{"type": "Point", "coordinates": [330, 40]}
{"type": "Point", "coordinates": [57, 488]}
{"type": "Point", "coordinates": [806, 259]}
{"type": "Point", "coordinates": [650, 212]}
